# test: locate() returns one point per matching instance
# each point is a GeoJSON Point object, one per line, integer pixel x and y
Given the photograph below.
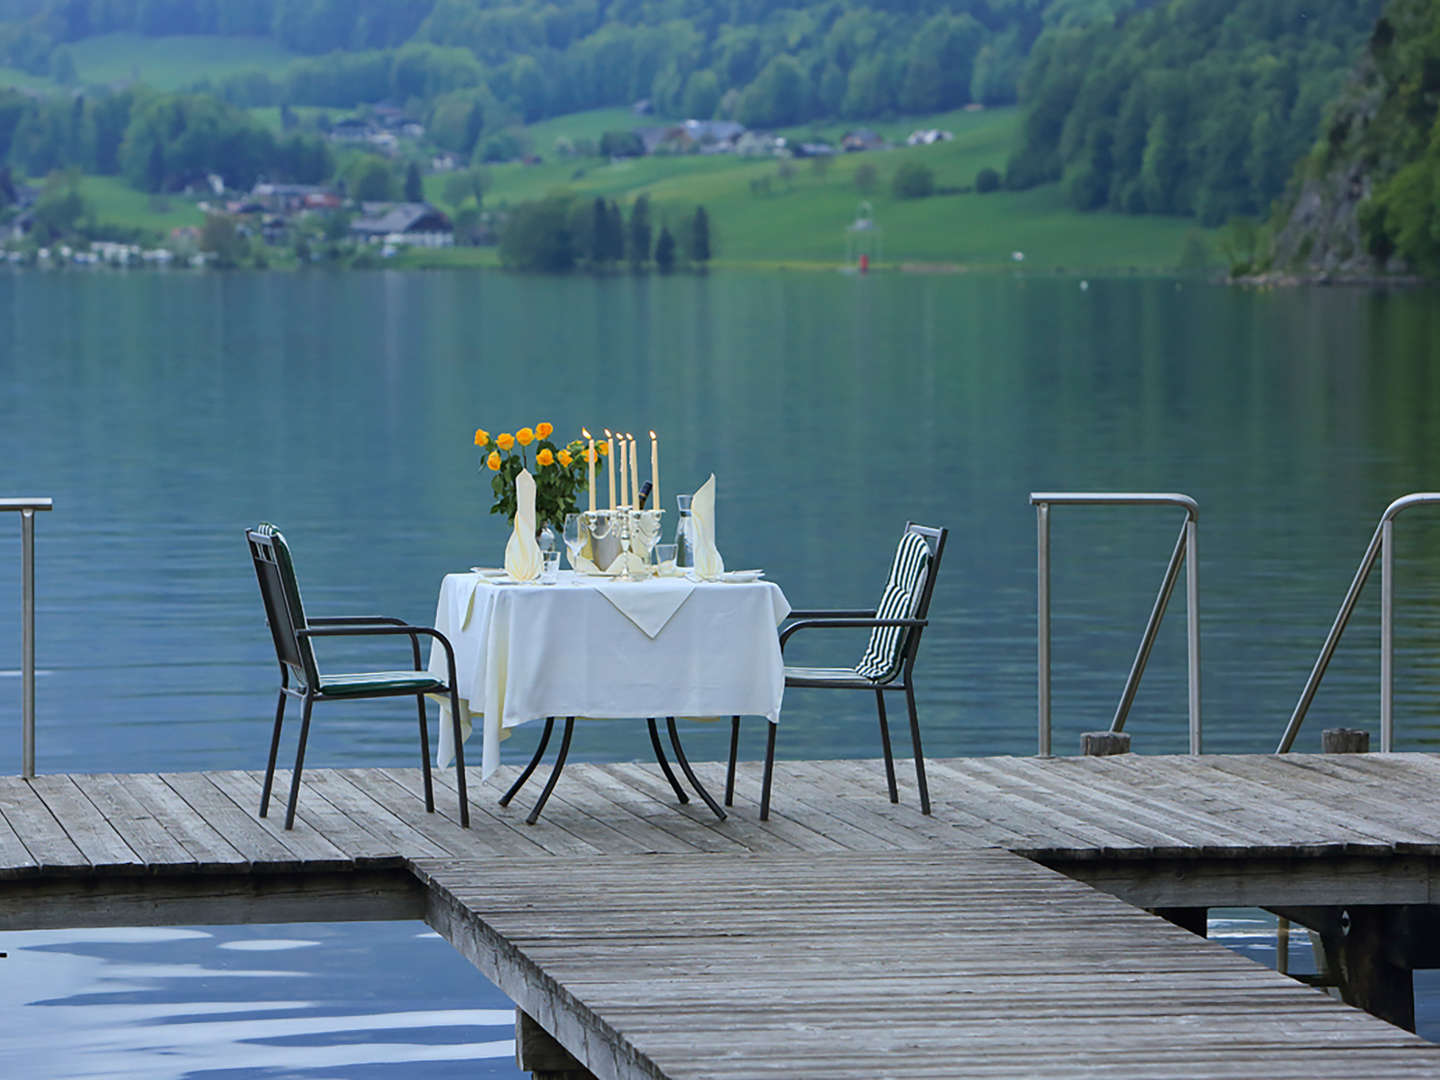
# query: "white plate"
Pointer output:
{"type": "Point", "coordinates": [488, 571]}
{"type": "Point", "coordinates": [739, 576]}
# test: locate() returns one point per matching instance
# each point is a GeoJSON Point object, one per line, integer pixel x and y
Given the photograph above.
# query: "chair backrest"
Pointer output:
{"type": "Point", "coordinates": [281, 594]}
{"type": "Point", "coordinates": [907, 596]}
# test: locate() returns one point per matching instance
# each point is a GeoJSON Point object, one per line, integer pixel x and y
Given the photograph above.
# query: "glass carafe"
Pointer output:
{"type": "Point", "coordinates": [684, 534]}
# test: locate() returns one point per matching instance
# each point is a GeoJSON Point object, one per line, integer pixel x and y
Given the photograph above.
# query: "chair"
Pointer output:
{"type": "Point", "coordinates": [301, 677]}
{"type": "Point", "coordinates": [886, 666]}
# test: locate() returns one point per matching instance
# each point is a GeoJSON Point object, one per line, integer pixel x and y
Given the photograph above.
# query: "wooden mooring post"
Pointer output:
{"type": "Point", "coordinates": [538, 1053]}
{"type": "Point", "coordinates": [1104, 743]}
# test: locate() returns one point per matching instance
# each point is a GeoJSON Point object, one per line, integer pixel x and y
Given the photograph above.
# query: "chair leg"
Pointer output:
{"type": "Point", "coordinates": [459, 756]}
{"type": "Point", "coordinates": [425, 755]}
{"type": "Point", "coordinates": [664, 762]}
{"type": "Point", "coordinates": [299, 762]}
{"type": "Point", "coordinates": [919, 753]}
{"type": "Point", "coordinates": [554, 772]}
{"type": "Point", "coordinates": [769, 772]}
{"type": "Point", "coordinates": [274, 749]}
{"type": "Point", "coordinates": [885, 742]}
{"type": "Point", "coordinates": [689, 772]}
{"type": "Point", "coordinates": [534, 761]}
{"type": "Point", "coordinates": [734, 751]}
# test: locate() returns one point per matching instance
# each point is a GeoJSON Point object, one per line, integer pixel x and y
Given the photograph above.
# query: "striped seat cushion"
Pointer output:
{"type": "Point", "coordinates": [881, 660]}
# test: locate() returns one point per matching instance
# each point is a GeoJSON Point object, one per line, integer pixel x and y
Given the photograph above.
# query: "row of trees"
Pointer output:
{"type": "Point", "coordinates": [764, 62]}
{"type": "Point", "coordinates": [562, 231]}
{"type": "Point", "coordinates": [1196, 107]}
{"type": "Point", "coordinates": [159, 142]}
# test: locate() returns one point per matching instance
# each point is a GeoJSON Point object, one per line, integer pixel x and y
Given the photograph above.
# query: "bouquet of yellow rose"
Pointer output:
{"type": "Point", "coordinates": [560, 471]}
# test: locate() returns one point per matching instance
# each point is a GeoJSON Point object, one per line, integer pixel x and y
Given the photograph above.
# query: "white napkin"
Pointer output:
{"type": "Point", "coordinates": [522, 553]}
{"type": "Point", "coordinates": [708, 563]}
{"type": "Point", "coordinates": [647, 604]}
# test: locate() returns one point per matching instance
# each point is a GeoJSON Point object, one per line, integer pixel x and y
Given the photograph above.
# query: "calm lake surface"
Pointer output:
{"type": "Point", "coordinates": [166, 412]}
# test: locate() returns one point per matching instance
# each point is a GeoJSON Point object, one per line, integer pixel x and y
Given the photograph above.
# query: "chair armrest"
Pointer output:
{"type": "Point", "coordinates": [832, 613]}
{"type": "Point", "coordinates": [372, 630]}
{"type": "Point", "coordinates": [355, 620]}
{"type": "Point", "coordinates": [833, 624]}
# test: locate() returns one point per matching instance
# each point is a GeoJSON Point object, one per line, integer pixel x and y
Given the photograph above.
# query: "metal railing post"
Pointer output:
{"type": "Point", "coordinates": [1042, 616]}
{"type": "Point", "coordinates": [1382, 547]}
{"type": "Point", "coordinates": [1192, 627]}
{"type": "Point", "coordinates": [1387, 636]}
{"type": "Point", "coordinates": [27, 508]}
{"type": "Point", "coordinates": [1185, 552]}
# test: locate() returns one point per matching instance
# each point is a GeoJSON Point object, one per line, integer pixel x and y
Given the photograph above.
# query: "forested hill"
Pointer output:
{"type": "Point", "coordinates": [766, 63]}
{"type": "Point", "coordinates": [1190, 107]}
{"type": "Point", "coordinates": [1367, 199]}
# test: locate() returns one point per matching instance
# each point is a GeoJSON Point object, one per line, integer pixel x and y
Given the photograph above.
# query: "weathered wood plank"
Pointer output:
{"type": "Point", "coordinates": [86, 826]}
{"type": "Point", "coordinates": [134, 821]}
{"type": "Point", "coordinates": [229, 805]}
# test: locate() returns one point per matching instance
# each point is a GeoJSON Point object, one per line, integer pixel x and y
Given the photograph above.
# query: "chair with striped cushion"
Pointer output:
{"type": "Point", "coordinates": [300, 676]}
{"type": "Point", "coordinates": [887, 664]}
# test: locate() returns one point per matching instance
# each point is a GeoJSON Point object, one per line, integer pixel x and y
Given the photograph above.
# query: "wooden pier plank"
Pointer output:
{"type": "Point", "coordinates": [224, 800]}
{"type": "Point", "coordinates": [90, 830]}
{"type": "Point", "coordinates": [134, 821]}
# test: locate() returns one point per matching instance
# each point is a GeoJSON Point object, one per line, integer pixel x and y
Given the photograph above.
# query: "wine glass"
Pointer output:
{"type": "Point", "coordinates": [573, 539]}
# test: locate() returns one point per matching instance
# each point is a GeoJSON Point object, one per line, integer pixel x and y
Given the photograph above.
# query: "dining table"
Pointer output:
{"type": "Point", "coordinates": [598, 647]}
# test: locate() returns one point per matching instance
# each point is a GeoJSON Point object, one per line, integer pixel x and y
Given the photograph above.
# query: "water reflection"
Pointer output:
{"type": "Point", "coordinates": [255, 1001]}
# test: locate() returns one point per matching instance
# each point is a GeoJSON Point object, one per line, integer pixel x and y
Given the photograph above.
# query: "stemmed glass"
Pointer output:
{"type": "Point", "coordinates": [644, 532]}
{"type": "Point", "coordinates": [573, 540]}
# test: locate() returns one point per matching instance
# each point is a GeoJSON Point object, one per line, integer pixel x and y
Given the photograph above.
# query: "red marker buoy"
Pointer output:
{"type": "Point", "coordinates": [864, 263]}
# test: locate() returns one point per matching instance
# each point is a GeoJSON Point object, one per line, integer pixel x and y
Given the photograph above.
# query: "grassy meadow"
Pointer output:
{"type": "Point", "coordinates": [169, 63]}
{"type": "Point", "coordinates": [764, 212]}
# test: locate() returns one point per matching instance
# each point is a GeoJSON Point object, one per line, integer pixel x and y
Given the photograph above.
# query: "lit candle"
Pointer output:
{"type": "Point", "coordinates": [624, 472]}
{"type": "Point", "coordinates": [655, 470]}
{"type": "Point", "coordinates": [634, 470]}
{"type": "Point", "coordinates": [610, 464]}
{"type": "Point", "coordinates": [590, 458]}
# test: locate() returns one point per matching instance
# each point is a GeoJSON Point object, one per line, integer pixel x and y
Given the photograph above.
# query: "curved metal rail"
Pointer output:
{"type": "Point", "coordinates": [27, 509]}
{"type": "Point", "coordinates": [1382, 546]}
{"type": "Point", "coordinates": [1185, 552]}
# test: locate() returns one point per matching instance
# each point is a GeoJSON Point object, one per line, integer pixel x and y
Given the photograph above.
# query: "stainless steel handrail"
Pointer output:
{"type": "Point", "coordinates": [1185, 551]}
{"type": "Point", "coordinates": [27, 509]}
{"type": "Point", "coordinates": [1382, 546]}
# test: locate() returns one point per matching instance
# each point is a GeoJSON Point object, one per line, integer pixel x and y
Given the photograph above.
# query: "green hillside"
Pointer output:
{"type": "Point", "coordinates": [171, 62]}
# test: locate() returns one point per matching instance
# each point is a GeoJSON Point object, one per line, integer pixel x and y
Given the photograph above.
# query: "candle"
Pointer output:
{"type": "Point", "coordinates": [624, 472]}
{"type": "Point", "coordinates": [590, 458]}
{"type": "Point", "coordinates": [634, 471]}
{"type": "Point", "coordinates": [610, 464]}
{"type": "Point", "coordinates": [655, 470]}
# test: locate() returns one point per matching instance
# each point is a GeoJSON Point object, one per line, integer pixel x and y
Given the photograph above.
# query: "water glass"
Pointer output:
{"type": "Point", "coordinates": [573, 540]}
{"type": "Point", "coordinates": [665, 560]}
{"type": "Point", "coordinates": [550, 571]}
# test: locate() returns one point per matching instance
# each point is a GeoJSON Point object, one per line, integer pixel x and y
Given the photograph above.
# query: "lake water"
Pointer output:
{"type": "Point", "coordinates": [166, 412]}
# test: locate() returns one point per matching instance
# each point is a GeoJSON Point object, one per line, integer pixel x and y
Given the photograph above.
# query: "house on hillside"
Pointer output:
{"type": "Point", "coordinates": [292, 198]}
{"type": "Point", "coordinates": [861, 139]}
{"type": "Point", "coordinates": [928, 137]}
{"type": "Point", "coordinates": [412, 224]}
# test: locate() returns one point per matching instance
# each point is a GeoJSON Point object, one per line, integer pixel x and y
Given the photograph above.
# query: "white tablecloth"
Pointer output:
{"type": "Point", "coordinates": [526, 652]}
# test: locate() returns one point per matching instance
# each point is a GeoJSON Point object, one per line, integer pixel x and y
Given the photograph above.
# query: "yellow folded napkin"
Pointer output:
{"type": "Point", "coordinates": [522, 553]}
{"type": "Point", "coordinates": [708, 563]}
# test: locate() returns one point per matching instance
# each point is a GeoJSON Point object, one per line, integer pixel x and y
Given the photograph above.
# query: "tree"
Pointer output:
{"type": "Point", "coordinates": [913, 180]}
{"type": "Point", "coordinates": [987, 180]}
{"type": "Point", "coordinates": [637, 245]}
{"type": "Point", "coordinates": [59, 209]}
{"type": "Point", "coordinates": [371, 179]}
{"type": "Point", "coordinates": [700, 237]}
{"type": "Point", "coordinates": [414, 186]}
{"type": "Point", "coordinates": [665, 251]}
{"type": "Point", "coordinates": [866, 177]}
{"type": "Point", "coordinates": [221, 239]}
{"type": "Point", "coordinates": [537, 236]}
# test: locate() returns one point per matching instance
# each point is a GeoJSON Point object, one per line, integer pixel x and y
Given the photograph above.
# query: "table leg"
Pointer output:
{"type": "Point", "coordinates": [689, 772]}
{"type": "Point", "coordinates": [534, 761]}
{"type": "Point", "coordinates": [664, 762]}
{"type": "Point", "coordinates": [554, 772]}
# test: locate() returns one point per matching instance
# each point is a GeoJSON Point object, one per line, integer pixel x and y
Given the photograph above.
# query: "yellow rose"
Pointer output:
{"type": "Point", "coordinates": [493, 461]}
{"type": "Point", "coordinates": [545, 457]}
{"type": "Point", "coordinates": [602, 448]}
{"type": "Point", "coordinates": [505, 440]}
{"type": "Point", "coordinates": [589, 455]}
{"type": "Point", "coordinates": [482, 437]}
{"type": "Point", "coordinates": [565, 458]}
{"type": "Point", "coordinates": [524, 436]}
{"type": "Point", "coordinates": [543, 429]}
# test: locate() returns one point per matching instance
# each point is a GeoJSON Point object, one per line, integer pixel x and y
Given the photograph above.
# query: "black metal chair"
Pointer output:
{"type": "Point", "coordinates": [294, 633]}
{"type": "Point", "coordinates": [887, 665]}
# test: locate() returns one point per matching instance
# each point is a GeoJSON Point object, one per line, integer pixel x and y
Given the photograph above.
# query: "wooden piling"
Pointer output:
{"type": "Point", "coordinates": [1341, 740]}
{"type": "Point", "coordinates": [1104, 743]}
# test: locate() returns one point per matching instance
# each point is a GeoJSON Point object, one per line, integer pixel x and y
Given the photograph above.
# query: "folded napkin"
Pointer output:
{"type": "Point", "coordinates": [647, 604]}
{"type": "Point", "coordinates": [708, 563]}
{"type": "Point", "coordinates": [522, 553]}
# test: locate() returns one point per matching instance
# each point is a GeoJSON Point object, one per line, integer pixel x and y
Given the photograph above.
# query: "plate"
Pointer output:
{"type": "Point", "coordinates": [739, 576]}
{"type": "Point", "coordinates": [488, 571]}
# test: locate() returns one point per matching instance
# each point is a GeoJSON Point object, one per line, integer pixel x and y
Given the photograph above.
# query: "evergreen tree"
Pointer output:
{"type": "Point", "coordinates": [665, 251]}
{"type": "Point", "coordinates": [638, 247]}
{"type": "Point", "coordinates": [414, 187]}
{"type": "Point", "coordinates": [700, 237]}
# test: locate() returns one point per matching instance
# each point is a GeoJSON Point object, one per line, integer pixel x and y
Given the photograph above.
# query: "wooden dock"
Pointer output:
{"type": "Point", "coordinates": [845, 937]}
